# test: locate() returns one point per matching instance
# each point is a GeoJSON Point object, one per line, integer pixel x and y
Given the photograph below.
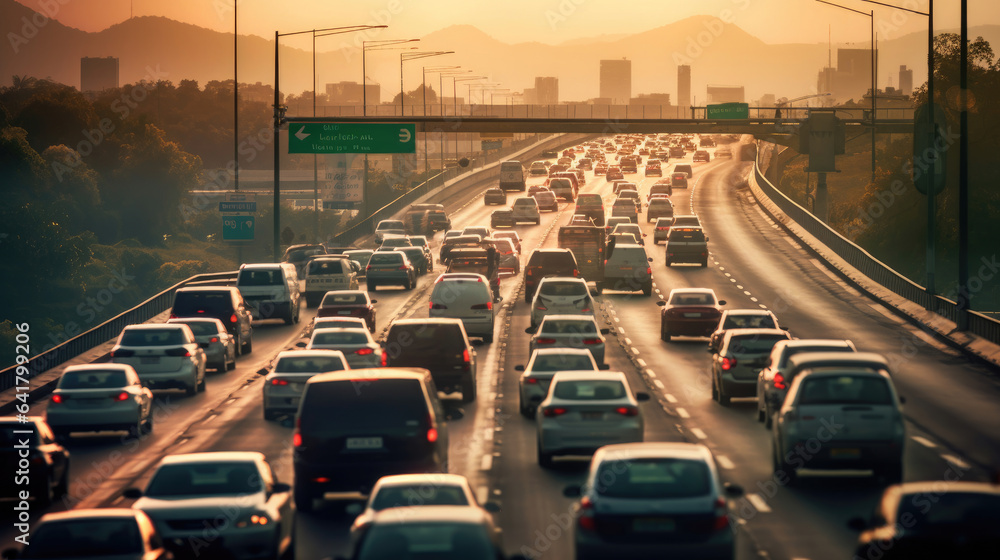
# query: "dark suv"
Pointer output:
{"type": "Point", "coordinates": [48, 476]}
{"type": "Point", "coordinates": [547, 262]}
{"type": "Point", "coordinates": [217, 302]}
{"type": "Point", "coordinates": [353, 429]}
{"type": "Point", "coordinates": [439, 345]}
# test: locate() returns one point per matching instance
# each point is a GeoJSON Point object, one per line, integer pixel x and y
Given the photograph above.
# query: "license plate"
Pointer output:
{"type": "Point", "coordinates": [845, 453]}
{"type": "Point", "coordinates": [364, 443]}
{"type": "Point", "coordinates": [344, 312]}
{"type": "Point", "coordinates": [653, 525]}
{"type": "Point", "coordinates": [692, 315]}
{"type": "Point", "coordinates": [592, 415]}
{"type": "Point", "coordinates": [149, 360]}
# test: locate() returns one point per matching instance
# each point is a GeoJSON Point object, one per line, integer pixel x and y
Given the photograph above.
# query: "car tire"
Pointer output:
{"type": "Point", "coordinates": [892, 473]}
{"type": "Point", "coordinates": [703, 263]}
{"type": "Point", "coordinates": [647, 290]}
{"type": "Point", "coordinates": [248, 345]}
{"type": "Point", "coordinates": [62, 488]}
{"type": "Point", "coordinates": [599, 287]}
{"type": "Point", "coordinates": [231, 364]}
{"type": "Point", "coordinates": [665, 335]}
{"type": "Point", "coordinates": [715, 391]}
{"type": "Point", "coordinates": [149, 423]}
{"type": "Point", "coordinates": [724, 399]}
{"type": "Point", "coordinates": [768, 417]}
{"type": "Point", "coordinates": [469, 390]}
{"type": "Point", "coordinates": [370, 286]}
{"type": "Point", "coordinates": [667, 262]}
{"type": "Point", "coordinates": [760, 414]}
{"type": "Point", "coordinates": [201, 385]}
{"type": "Point", "coordinates": [136, 430]}
{"type": "Point", "coordinates": [488, 339]}
{"type": "Point", "coordinates": [525, 411]}
{"type": "Point", "coordinates": [783, 467]}
{"type": "Point", "coordinates": [190, 390]}
{"type": "Point", "coordinates": [304, 498]}
{"type": "Point", "coordinates": [544, 459]}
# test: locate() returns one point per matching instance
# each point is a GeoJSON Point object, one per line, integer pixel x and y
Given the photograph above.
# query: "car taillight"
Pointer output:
{"type": "Point", "coordinates": [649, 270]}
{"type": "Point", "coordinates": [576, 273]}
{"type": "Point", "coordinates": [592, 341]}
{"type": "Point", "coordinates": [432, 305]}
{"type": "Point", "coordinates": [367, 268]}
{"type": "Point", "coordinates": [545, 341]}
{"type": "Point", "coordinates": [403, 267]}
{"type": "Point", "coordinates": [279, 382]}
{"type": "Point", "coordinates": [123, 396]}
{"type": "Point", "coordinates": [233, 318]}
{"type": "Point", "coordinates": [214, 339]}
{"type": "Point", "coordinates": [364, 351]}
{"type": "Point", "coordinates": [432, 433]}
{"type": "Point", "coordinates": [531, 381]}
{"type": "Point", "coordinates": [541, 308]}
{"type": "Point", "coordinates": [57, 399]}
{"type": "Point", "coordinates": [487, 305]}
{"type": "Point", "coordinates": [552, 411]}
{"type": "Point", "coordinates": [385, 359]}
{"type": "Point", "coordinates": [466, 357]}
{"type": "Point", "coordinates": [172, 316]}
{"type": "Point", "coordinates": [627, 410]}
{"type": "Point", "coordinates": [122, 353]}
{"type": "Point", "coordinates": [182, 352]}
{"type": "Point", "coordinates": [779, 381]}
{"type": "Point", "coordinates": [586, 518]}
{"type": "Point", "coordinates": [721, 517]}
{"type": "Point", "coordinates": [297, 439]}
{"type": "Point", "coordinates": [728, 363]}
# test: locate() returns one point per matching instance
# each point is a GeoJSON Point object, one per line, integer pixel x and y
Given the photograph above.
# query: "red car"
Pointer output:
{"type": "Point", "coordinates": [614, 172]}
{"type": "Point", "coordinates": [349, 303]}
{"type": "Point", "coordinates": [689, 312]}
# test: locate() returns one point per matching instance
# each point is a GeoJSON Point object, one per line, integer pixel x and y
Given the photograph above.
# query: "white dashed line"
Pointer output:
{"type": "Point", "coordinates": [739, 287]}
{"type": "Point", "coordinates": [698, 433]}
{"type": "Point", "coordinates": [621, 330]}
{"type": "Point", "coordinates": [733, 280]}
{"type": "Point", "coordinates": [762, 306]}
{"type": "Point", "coordinates": [957, 462]}
{"type": "Point", "coordinates": [488, 434]}
{"type": "Point", "coordinates": [650, 373]}
{"type": "Point", "coordinates": [753, 299]}
{"type": "Point", "coordinates": [746, 293]}
{"type": "Point", "coordinates": [758, 503]}
{"type": "Point", "coordinates": [722, 268]}
{"type": "Point", "coordinates": [635, 350]}
{"type": "Point", "coordinates": [658, 383]}
{"type": "Point", "coordinates": [724, 462]}
{"type": "Point", "coordinates": [486, 463]}
{"type": "Point", "coordinates": [670, 398]}
{"type": "Point", "coordinates": [641, 362]}
{"type": "Point", "coordinates": [628, 342]}
{"type": "Point", "coordinates": [924, 441]}
{"type": "Point", "coordinates": [728, 275]}
{"type": "Point", "coordinates": [617, 320]}
{"type": "Point", "coordinates": [683, 413]}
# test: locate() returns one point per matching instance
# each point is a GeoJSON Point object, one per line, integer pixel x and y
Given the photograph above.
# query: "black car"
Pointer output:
{"type": "Point", "coordinates": [439, 345]}
{"type": "Point", "coordinates": [120, 533]}
{"type": "Point", "coordinates": [547, 262]}
{"type": "Point", "coordinates": [495, 195]}
{"type": "Point", "coordinates": [32, 441]}
{"type": "Point", "coordinates": [224, 303]}
{"type": "Point", "coordinates": [352, 431]}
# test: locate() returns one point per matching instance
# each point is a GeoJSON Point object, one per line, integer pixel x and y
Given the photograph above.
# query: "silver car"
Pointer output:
{"type": "Point", "coordinates": [771, 383]}
{"type": "Point", "coordinates": [386, 227]}
{"type": "Point", "coordinates": [542, 367]}
{"type": "Point", "coordinates": [233, 497]}
{"type": "Point", "coordinates": [336, 323]}
{"type": "Point", "coordinates": [212, 336]}
{"type": "Point", "coordinates": [510, 260]}
{"type": "Point", "coordinates": [165, 356]}
{"type": "Point", "coordinates": [586, 410]}
{"type": "Point", "coordinates": [569, 331]}
{"type": "Point", "coordinates": [359, 348]}
{"type": "Point", "coordinates": [742, 355]}
{"type": "Point", "coordinates": [653, 500]}
{"type": "Point", "coordinates": [100, 397]}
{"type": "Point", "coordinates": [285, 382]}
{"type": "Point", "coordinates": [561, 295]}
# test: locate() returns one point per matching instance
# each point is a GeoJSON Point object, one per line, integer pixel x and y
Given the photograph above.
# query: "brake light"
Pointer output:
{"type": "Point", "coordinates": [552, 411]}
{"type": "Point", "coordinates": [728, 363]}
{"type": "Point", "coordinates": [576, 273]}
{"type": "Point", "coordinates": [627, 410]}
{"type": "Point", "coordinates": [214, 339]}
{"type": "Point", "coordinates": [432, 433]}
{"type": "Point", "coordinates": [779, 381]}
{"type": "Point", "coordinates": [172, 316]}
{"type": "Point", "coordinates": [591, 341]}
{"type": "Point", "coordinates": [649, 270]}
{"type": "Point", "coordinates": [367, 268]}
{"type": "Point", "coordinates": [545, 341]}
{"type": "Point", "coordinates": [182, 352]}
{"type": "Point", "coordinates": [487, 305]}
{"type": "Point", "coordinates": [721, 517]}
{"type": "Point", "coordinates": [541, 308]}
{"type": "Point", "coordinates": [297, 439]}
{"type": "Point", "coordinates": [432, 305]}
{"type": "Point", "coordinates": [279, 382]}
{"type": "Point", "coordinates": [466, 357]}
{"type": "Point", "coordinates": [364, 351]}
{"type": "Point", "coordinates": [57, 399]}
{"type": "Point", "coordinates": [233, 318]}
{"type": "Point", "coordinates": [586, 518]}
{"type": "Point", "coordinates": [531, 381]}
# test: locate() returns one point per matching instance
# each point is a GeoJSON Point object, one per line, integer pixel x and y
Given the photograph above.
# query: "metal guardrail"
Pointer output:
{"type": "Point", "coordinates": [104, 332]}
{"type": "Point", "coordinates": [979, 324]}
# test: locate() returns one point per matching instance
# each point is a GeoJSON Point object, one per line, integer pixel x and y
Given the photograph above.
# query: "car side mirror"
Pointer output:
{"type": "Point", "coordinates": [572, 491]}
{"type": "Point", "coordinates": [733, 490]}
{"type": "Point", "coordinates": [132, 493]}
{"type": "Point", "coordinates": [354, 509]}
{"type": "Point", "coordinates": [519, 367]}
{"type": "Point", "coordinates": [642, 396]}
{"type": "Point", "coordinates": [374, 301]}
{"type": "Point", "coordinates": [605, 331]}
{"type": "Point", "coordinates": [661, 303]}
{"type": "Point", "coordinates": [857, 524]}
{"type": "Point", "coordinates": [281, 487]}
{"type": "Point", "coordinates": [650, 259]}
{"type": "Point", "coordinates": [492, 507]}
{"type": "Point", "coordinates": [300, 344]}
{"type": "Point", "coordinates": [530, 330]}
{"type": "Point", "coordinates": [722, 302]}
{"type": "Point", "coordinates": [604, 367]}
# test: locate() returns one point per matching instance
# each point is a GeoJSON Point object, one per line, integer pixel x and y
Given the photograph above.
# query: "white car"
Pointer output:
{"type": "Point", "coordinates": [232, 496]}
{"type": "Point", "coordinates": [285, 382]}
{"type": "Point", "coordinates": [525, 209]}
{"type": "Point", "coordinates": [211, 334]}
{"type": "Point", "coordinates": [542, 367]}
{"type": "Point", "coordinates": [337, 323]}
{"type": "Point", "coordinates": [559, 295]}
{"type": "Point", "coordinates": [100, 397]}
{"type": "Point", "coordinates": [586, 410]}
{"type": "Point", "coordinates": [166, 356]}
{"type": "Point", "coordinates": [359, 348]}
{"type": "Point", "coordinates": [388, 227]}
{"type": "Point", "coordinates": [568, 331]}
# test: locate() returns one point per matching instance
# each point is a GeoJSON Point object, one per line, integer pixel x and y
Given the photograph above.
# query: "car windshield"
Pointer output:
{"type": "Point", "coordinates": [298, 255]}
{"type": "Point", "coordinates": [340, 337]}
{"type": "Point", "coordinates": [653, 478]}
{"type": "Point", "coordinates": [153, 337]}
{"type": "Point", "coordinates": [205, 479]}
{"type": "Point", "coordinates": [309, 364]}
{"type": "Point", "coordinates": [563, 289]}
{"type": "Point", "coordinates": [589, 390]}
{"type": "Point", "coordinates": [563, 362]}
{"type": "Point", "coordinates": [390, 224]}
{"type": "Point", "coordinates": [190, 303]}
{"type": "Point", "coordinates": [425, 494]}
{"type": "Point", "coordinates": [85, 538]}
{"type": "Point", "coordinates": [692, 299]}
{"type": "Point", "coordinates": [439, 540]}
{"type": "Point", "coordinates": [845, 389]}
{"type": "Point", "coordinates": [755, 321]}
{"type": "Point", "coordinates": [791, 351]}
{"type": "Point", "coordinates": [568, 327]}
{"type": "Point", "coordinates": [344, 299]}
{"type": "Point", "coordinates": [93, 379]}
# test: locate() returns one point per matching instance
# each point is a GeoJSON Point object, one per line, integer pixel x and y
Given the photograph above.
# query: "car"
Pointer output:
{"type": "Point", "coordinates": [653, 168]}
{"type": "Point", "coordinates": [482, 231]}
{"type": "Point", "coordinates": [632, 229]}
{"type": "Point", "coordinates": [510, 259]}
{"type": "Point", "coordinates": [502, 218]}
{"type": "Point", "coordinates": [592, 206]}
{"type": "Point", "coordinates": [458, 242]}
{"type": "Point", "coordinates": [689, 312]}
{"type": "Point", "coordinates": [627, 268]}
{"type": "Point", "coordinates": [388, 227]}
{"type": "Point", "coordinates": [632, 195]}
{"type": "Point", "coordinates": [224, 303]}
{"type": "Point", "coordinates": [494, 195]}
{"type": "Point", "coordinates": [336, 323]}
{"type": "Point", "coordinates": [538, 168]}
{"type": "Point", "coordinates": [285, 380]}
{"type": "Point", "coordinates": [29, 439]}
{"type": "Point", "coordinates": [417, 257]}
{"type": "Point", "coordinates": [425, 244]}
{"type": "Point", "coordinates": [327, 273]}
{"type": "Point", "coordinates": [118, 533]}
{"type": "Point", "coordinates": [390, 267]}
{"type": "Point", "coordinates": [238, 488]}
{"type": "Point", "coordinates": [723, 152]}
{"type": "Point", "coordinates": [683, 168]}
{"type": "Point", "coordinates": [165, 356]}
{"type": "Point", "coordinates": [560, 295]}
{"type": "Point", "coordinates": [547, 201]}
{"type": "Point", "coordinates": [212, 336]}
{"type": "Point", "coordinates": [580, 220]}
{"type": "Point", "coordinates": [525, 209]}
{"type": "Point", "coordinates": [771, 383]}
{"type": "Point", "coordinates": [349, 303]}
{"type": "Point", "coordinates": [586, 410]}
{"type": "Point", "coordinates": [653, 500]}
{"type": "Point", "coordinates": [659, 208]}
{"type": "Point", "coordinates": [467, 297]}
{"type": "Point", "coordinates": [360, 256]}
{"type": "Point", "coordinates": [687, 220]}
{"type": "Point", "coordinates": [298, 255]}
{"type": "Point", "coordinates": [679, 180]}
{"type": "Point", "coordinates": [415, 490]}
{"type": "Point", "coordinates": [741, 319]}
{"type": "Point", "coordinates": [535, 189]}
{"type": "Point", "coordinates": [613, 222]}
{"type": "Point", "coordinates": [957, 519]}
{"type": "Point", "coordinates": [625, 207]}
{"type": "Point", "coordinates": [700, 155]}
{"type": "Point", "coordinates": [439, 345]}
{"type": "Point", "coordinates": [568, 331]}
{"type": "Point", "coordinates": [661, 230]}
{"type": "Point", "coordinates": [512, 235]}
{"type": "Point", "coordinates": [98, 398]}
{"type": "Point", "coordinates": [662, 186]}
{"type": "Point", "coordinates": [359, 348]}
{"type": "Point", "coordinates": [563, 188]}
{"type": "Point", "coordinates": [601, 168]}
{"type": "Point", "coordinates": [271, 290]}
{"type": "Point", "coordinates": [452, 233]}
{"type": "Point", "coordinates": [677, 151]}
{"type": "Point", "coordinates": [476, 261]}
{"type": "Point", "coordinates": [686, 244]}
{"type": "Point", "coordinates": [585, 164]}
{"type": "Point", "coordinates": [394, 241]}
{"type": "Point", "coordinates": [350, 431]}
{"type": "Point", "coordinates": [542, 366]}
{"type": "Point", "coordinates": [618, 186]}
{"type": "Point", "coordinates": [862, 402]}
{"type": "Point", "coordinates": [742, 354]}
{"type": "Point", "coordinates": [547, 262]}
{"type": "Point", "coordinates": [614, 173]}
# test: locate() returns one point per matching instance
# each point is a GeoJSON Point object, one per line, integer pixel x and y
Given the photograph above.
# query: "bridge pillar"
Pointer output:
{"type": "Point", "coordinates": [820, 204]}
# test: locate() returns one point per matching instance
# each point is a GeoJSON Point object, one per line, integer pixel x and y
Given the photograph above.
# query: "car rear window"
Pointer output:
{"type": "Point", "coordinates": [326, 267]}
{"type": "Point", "coordinates": [93, 379]}
{"type": "Point", "coordinates": [687, 236]}
{"type": "Point", "coordinates": [560, 184]}
{"type": "Point", "coordinates": [692, 299]}
{"type": "Point", "coordinates": [309, 364]}
{"type": "Point", "coordinates": [661, 202]}
{"type": "Point", "coordinates": [596, 390]}
{"type": "Point", "coordinates": [189, 303]}
{"type": "Point", "coordinates": [360, 256]}
{"type": "Point", "coordinates": [754, 321]}
{"type": "Point", "coordinates": [336, 338]}
{"type": "Point", "coordinates": [653, 478]}
{"type": "Point", "coordinates": [568, 327]}
{"type": "Point", "coordinates": [271, 277]}
{"type": "Point", "coordinates": [344, 299]}
{"type": "Point", "coordinates": [789, 352]}
{"type": "Point", "coordinates": [845, 389]}
{"type": "Point", "coordinates": [552, 259]}
{"type": "Point", "coordinates": [390, 224]}
{"type": "Point", "coordinates": [300, 254]}
{"type": "Point", "coordinates": [200, 328]}
{"type": "Point", "coordinates": [754, 344]}
{"type": "Point", "coordinates": [562, 362]}
{"type": "Point", "coordinates": [153, 337]}
{"type": "Point", "coordinates": [334, 406]}
{"type": "Point", "coordinates": [205, 479]}
{"type": "Point", "coordinates": [426, 494]}
{"type": "Point", "coordinates": [386, 257]}
{"type": "Point", "coordinates": [563, 288]}
{"type": "Point", "coordinates": [86, 538]}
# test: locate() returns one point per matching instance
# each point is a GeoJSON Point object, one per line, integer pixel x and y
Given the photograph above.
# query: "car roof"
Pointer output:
{"type": "Point", "coordinates": [427, 320]}
{"type": "Point", "coordinates": [154, 326]}
{"type": "Point", "coordinates": [339, 329]}
{"type": "Point", "coordinates": [657, 449]}
{"type": "Point", "coordinates": [573, 279]}
{"type": "Point", "coordinates": [90, 513]}
{"type": "Point", "coordinates": [97, 367]}
{"type": "Point", "coordinates": [577, 318]}
{"type": "Point", "coordinates": [212, 457]}
{"type": "Point", "coordinates": [187, 320]}
{"type": "Point", "coordinates": [423, 478]}
{"type": "Point", "coordinates": [431, 514]}
{"type": "Point", "coordinates": [839, 359]}
{"type": "Point", "coordinates": [746, 312]}
{"type": "Point", "coordinates": [589, 375]}
{"type": "Point", "coordinates": [551, 351]}
{"type": "Point", "coordinates": [733, 333]}
{"type": "Point", "coordinates": [808, 342]}
{"type": "Point", "coordinates": [318, 353]}
{"type": "Point", "coordinates": [934, 487]}
{"type": "Point", "coordinates": [187, 289]}
{"type": "Point", "coordinates": [252, 266]}
{"type": "Point", "coordinates": [692, 291]}
{"type": "Point", "coordinates": [348, 292]}
{"type": "Point", "coordinates": [371, 373]}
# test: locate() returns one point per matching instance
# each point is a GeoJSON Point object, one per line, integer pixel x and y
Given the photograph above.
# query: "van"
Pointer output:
{"type": "Point", "coordinates": [547, 262]}
{"type": "Point", "coordinates": [627, 269]}
{"type": "Point", "coordinates": [328, 273]}
{"type": "Point", "coordinates": [512, 176]}
{"type": "Point", "coordinates": [439, 345]}
{"type": "Point", "coordinates": [270, 290]}
{"type": "Point", "coordinates": [467, 297]}
{"type": "Point", "coordinates": [563, 188]}
{"type": "Point", "coordinates": [687, 245]}
{"type": "Point", "coordinates": [351, 430]}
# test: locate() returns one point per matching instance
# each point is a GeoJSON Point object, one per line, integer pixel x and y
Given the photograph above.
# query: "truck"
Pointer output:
{"type": "Point", "coordinates": [587, 243]}
{"type": "Point", "coordinates": [512, 176]}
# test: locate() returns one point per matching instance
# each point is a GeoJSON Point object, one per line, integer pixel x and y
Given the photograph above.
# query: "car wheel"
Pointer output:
{"type": "Point", "coordinates": [525, 411]}
{"type": "Point", "coordinates": [201, 384]}
{"type": "Point", "coordinates": [304, 499]}
{"type": "Point", "coordinates": [783, 467]}
{"type": "Point", "coordinates": [724, 399]}
{"type": "Point", "coordinates": [647, 290]}
{"type": "Point", "coordinates": [704, 263]}
{"type": "Point", "coordinates": [715, 391]}
{"type": "Point", "coordinates": [149, 422]}
{"type": "Point", "coordinates": [190, 390]}
{"type": "Point", "coordinates": [892, 473]}
{"type": "Point", "coordinates": [370, 286]}
{"type": "Point", "coordinates": [62, 488]}
{"type": "Point", "coordinates": [248, 345]}
{"type": "Point", "coordinates": [599, 287]}
{"type": "Point", "coordinates": [469, 390]}
{"type": "Point", "coordinates": [665, 335]}
{"type": "Point", "coordinates": [136, 430]}
{"type": "Point", "coordinates": [667, 263]}
{"type": "Point", "coordinates": [231, 364]}
{"type": "Point", "coordinates": [488, 338]}
{"type": "Point", "coordinates": [544, 459]}
{"type": "Point", "coordinates": [760, 414]}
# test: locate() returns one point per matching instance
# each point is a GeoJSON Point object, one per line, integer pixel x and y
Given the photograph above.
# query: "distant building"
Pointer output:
{"type": "Point", "coordinates": [905, 80]}
{"type": "Point", "coordinates": [547, 91]}
{"type": "Point", "coordinates": [684, 86]}
{"type": "Point", "coordinates": [352, 93]}
{"type": "Point", "coordinates": [616, 80]}
{"type": "Point", "coordinates": [531, 96]}
{"type": "Point", "coordinates": [651, 99]}
{"type": "Point", "coordinates": [726, 94]}
{"type": "Point", "coordinates": [854, 73]}
{"type": "Point", "coordinates": [825, 80]}
{"type": "Point", "coordinates": [98, 74]}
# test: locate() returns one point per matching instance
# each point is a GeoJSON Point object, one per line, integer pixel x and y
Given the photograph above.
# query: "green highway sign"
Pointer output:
{"type": "Point", "coordinates": [237, 228]}
{"type": "Point", "coordinates": [352, 138]}
{"type": "Point", "coordinates": [728, 111]}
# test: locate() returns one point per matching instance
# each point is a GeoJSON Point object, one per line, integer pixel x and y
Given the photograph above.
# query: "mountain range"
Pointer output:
{"type": "Point", "coordinates": [719, 53]}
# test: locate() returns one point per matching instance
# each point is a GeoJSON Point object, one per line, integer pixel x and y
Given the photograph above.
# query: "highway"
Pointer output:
{"type": "Point", "coordinates": [953, 423]}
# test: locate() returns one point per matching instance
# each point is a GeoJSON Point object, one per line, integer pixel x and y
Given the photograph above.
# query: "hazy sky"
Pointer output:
{"type": "Point", "coordinates": [548, 21]}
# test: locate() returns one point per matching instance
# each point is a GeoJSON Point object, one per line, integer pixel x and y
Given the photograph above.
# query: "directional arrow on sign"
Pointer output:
{"type": "Point", "coordinates": [404, 135]}
{"type": "Point", "coordinates": [302, 134]}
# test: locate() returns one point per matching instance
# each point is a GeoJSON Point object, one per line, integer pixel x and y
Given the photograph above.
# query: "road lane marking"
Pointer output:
{"type": "Point", "coordinates": [758, 503]}
{"type": "Point", "coordinates": [753, 299]}
{"type": "Point", "coordinates": [486, 463]}
{"type": "Point", "coordinates": [746, 293]}
{"type": "Point", "coordinates": [635, 350]}
{"type": "Point", "coordinates": [957, 462]}
{"type": "Point", "coordinates": [628, 341]}
{"type": "Point", "coordinates": [728, 275]}
{"type": "Point", "coordinates": [621, 330]}
{"type": "Point", "coordinates": [924, 441]}
{"type": "Point", "coordinates": [683, 413]}
{"type": "Point", "coordinates": [488, 434]}
{"type": "Point", "coordinates": [641, 362]}
{"type": "Point", "coordinates": [724, 462]}
{"type": "Point", "coordinates": [670, 398]}
{"type": "Point", "coordinates": [762, 306]}
{"type": "Point", "coordinates": [738, 287]}
{"type": "Point", "coordinates": [658, 383]}
{"type": "Point", "coordinates": [698, 433]}
{"type": "Point", "coordinates": [650, 372]}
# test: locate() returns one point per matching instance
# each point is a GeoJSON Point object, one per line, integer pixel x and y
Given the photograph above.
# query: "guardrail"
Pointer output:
{"type": "Point", "coordinates": [979, 324]}
{"type": "Point", "coordinates": [104, 332]}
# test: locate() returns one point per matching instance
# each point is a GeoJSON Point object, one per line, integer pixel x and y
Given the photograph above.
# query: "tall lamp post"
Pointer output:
{"type": "Point", "coordinates": [372, 46]}
{"type": "Point", "coordinates": [454, 100]}
{"type": "Point", "coordinates": [406, 57]}
{"type": "Point", "coordinates": [441, 72]}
